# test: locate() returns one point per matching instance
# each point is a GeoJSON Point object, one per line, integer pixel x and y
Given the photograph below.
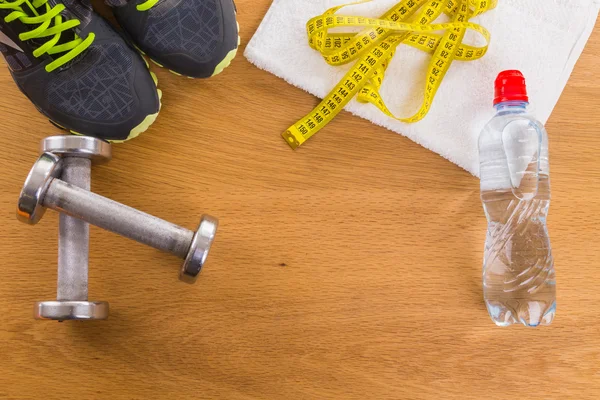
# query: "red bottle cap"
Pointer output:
{"type": "Point", "coordinates": [510, 86]}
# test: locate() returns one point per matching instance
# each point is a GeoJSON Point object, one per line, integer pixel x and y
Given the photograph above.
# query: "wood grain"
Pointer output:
{"type": "Point", "coordinates": [349, 269]}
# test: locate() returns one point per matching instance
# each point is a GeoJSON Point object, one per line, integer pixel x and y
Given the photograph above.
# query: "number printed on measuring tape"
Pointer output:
{"type": "Point", "coordinates": [409, 22]}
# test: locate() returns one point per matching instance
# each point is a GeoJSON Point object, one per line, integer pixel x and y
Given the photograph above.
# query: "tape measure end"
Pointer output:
{"type": "Point", "coordinates": [290, 139]}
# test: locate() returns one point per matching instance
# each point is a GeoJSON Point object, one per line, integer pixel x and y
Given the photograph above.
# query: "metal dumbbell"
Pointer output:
{"type": "Point", "coordinates": [78, 153]}
{"type": "Point", "coordinates": [43, 189]}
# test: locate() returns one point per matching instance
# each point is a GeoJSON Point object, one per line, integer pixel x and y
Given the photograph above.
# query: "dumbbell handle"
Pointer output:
{"type": "Point", "coordinates": [118, 218]}
{"type": "Point", "coordinates": [74, 238]}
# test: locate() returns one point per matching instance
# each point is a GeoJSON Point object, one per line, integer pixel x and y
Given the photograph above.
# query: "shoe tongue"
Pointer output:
{"type": "Point", "coordinates": [65, 36]}
{"type": "Point", "coordinates": [80, 9]}
{"type": "Point", "coordinates": [27, 9]}
{"type": "Point", "coordinates": [73, 9]}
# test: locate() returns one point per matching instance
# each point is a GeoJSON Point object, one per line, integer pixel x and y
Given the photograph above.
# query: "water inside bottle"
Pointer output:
{"type": "Point", "coordinates": [518, 275]}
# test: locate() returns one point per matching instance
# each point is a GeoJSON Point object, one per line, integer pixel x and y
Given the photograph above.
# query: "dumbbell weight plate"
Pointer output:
{"type": "Point", "coordinates": [94, 149]}
{"type": "Point", "coordinates": [198, 252]}
{"type": "Point", "coordinates": [71, 310]}
{"type": "Point", "coordinates": [29, 207]}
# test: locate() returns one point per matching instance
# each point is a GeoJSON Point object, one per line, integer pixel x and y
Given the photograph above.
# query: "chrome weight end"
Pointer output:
{"type": "Point", "coordinates": [71, 310]}
{"type": "Point", "coordinates": [29, 207]}
{"type": "Point", "coordinates": [199, 249]}
{"type": "Point", "coordinates": [88, 147]}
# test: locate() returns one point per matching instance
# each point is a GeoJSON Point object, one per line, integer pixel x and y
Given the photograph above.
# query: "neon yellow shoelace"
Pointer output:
{"type": "Point", "coordinates": [51, 16]}
{"type": "Point", "coordinates": [146, 5]}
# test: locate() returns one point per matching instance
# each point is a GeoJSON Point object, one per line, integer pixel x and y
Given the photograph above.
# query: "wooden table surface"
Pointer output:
{"type": "Point", "coordinates": [350, 269]}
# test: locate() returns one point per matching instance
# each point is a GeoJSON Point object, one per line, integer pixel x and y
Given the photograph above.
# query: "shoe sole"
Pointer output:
{"type": "Point", "coordinates": [140, 128]}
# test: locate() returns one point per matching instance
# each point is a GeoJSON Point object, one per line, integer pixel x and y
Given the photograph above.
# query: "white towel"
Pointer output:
{"type": "Point", "coordinates": [542, 38]}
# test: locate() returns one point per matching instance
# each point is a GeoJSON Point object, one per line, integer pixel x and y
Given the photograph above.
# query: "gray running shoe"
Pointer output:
{"type": "Point", "coordinates": [195, 38]}
{"type": "Point", "coordinates": [76, 69]}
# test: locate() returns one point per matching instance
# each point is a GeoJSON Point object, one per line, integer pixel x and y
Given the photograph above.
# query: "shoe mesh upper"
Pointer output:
{"type": "Point", "coordinates": [185, 26]}
{"type": "Point", "coordinates": [97, 87]}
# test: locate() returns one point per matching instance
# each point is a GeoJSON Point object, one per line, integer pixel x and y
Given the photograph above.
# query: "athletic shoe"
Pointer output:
{"type": "Point", "coordinates": [195, 38]}
{"type": "Point", "coordinates": [76, 69]}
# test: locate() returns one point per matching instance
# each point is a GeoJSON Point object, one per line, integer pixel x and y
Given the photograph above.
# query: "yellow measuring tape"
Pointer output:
{"type": "Point", "coordinates": [409, 22]}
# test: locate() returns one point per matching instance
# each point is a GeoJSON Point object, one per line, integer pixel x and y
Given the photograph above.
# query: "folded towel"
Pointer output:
{"type": "Point", "coordinates": [543, 39]}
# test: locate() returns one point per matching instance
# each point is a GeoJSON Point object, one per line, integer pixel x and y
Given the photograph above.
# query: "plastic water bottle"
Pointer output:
{"type": "Point", "coordinates": [518, 268]}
